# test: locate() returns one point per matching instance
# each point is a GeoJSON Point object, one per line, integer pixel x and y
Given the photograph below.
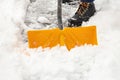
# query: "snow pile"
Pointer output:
{"type": "Point", "coordinates": [12, 14]}
{"type": "Point", "coordinates": [11, 21]}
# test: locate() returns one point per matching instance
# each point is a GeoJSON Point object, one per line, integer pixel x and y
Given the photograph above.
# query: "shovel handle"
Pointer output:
{"type": "Point", "coordinates": [59, 14]}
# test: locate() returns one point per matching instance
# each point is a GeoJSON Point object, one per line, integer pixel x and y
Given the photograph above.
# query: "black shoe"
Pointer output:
{"type": "Point", "coordinates": [84, 12]}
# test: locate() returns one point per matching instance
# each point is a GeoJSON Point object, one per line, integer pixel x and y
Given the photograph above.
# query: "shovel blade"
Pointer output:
{"type": "Point", "coordinates": [70, 37]}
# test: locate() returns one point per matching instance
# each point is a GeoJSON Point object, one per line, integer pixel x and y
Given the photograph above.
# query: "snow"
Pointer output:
{"type": "Point", "coordinates": [18, 62]}
{"type": "Point", "coordinates": [43, 20]}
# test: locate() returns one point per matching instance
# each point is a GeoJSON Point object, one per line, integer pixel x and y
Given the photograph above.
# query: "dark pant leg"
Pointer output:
{"type": "Point", "coordinates": [87, 0]}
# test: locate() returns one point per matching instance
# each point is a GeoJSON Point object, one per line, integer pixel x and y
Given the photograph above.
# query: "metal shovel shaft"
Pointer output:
{"type": "Point", "coordinates": [59, 14]}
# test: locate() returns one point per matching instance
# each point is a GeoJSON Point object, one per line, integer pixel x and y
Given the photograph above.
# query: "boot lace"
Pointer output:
{"type": "Point", "coordinates": [83, 7]}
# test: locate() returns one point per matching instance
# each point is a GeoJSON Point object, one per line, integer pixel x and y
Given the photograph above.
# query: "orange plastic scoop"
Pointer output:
{"type": "Point", "coordinates": [70, 37]}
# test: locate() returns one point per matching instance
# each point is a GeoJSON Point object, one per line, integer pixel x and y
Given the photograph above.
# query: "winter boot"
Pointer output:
{"type": "Point", "coordinates": [66, 1]}
{"type": "Point", "coordinates": [84, 12]}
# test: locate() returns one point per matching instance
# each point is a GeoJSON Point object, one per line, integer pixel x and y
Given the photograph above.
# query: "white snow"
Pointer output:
{"type": "Point", "coordinates": [43, 20]}
{"type": "Point", "coordinates": [18, 62]}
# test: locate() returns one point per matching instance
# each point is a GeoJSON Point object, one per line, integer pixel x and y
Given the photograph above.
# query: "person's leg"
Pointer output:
{"type": "Point", "coordinates": [87, 0]}
{"type": "Point", "coordinates": [85, 11]}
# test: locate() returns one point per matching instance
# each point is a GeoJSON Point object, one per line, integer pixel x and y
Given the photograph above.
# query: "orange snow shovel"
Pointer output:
{"type": "Point", "coordinates": [69, 37]}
